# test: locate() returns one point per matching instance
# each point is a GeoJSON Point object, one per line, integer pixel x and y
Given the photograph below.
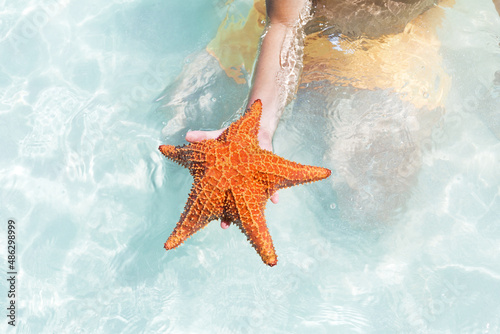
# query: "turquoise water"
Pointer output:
{"type": "Point", "coordinates": [403, 238]}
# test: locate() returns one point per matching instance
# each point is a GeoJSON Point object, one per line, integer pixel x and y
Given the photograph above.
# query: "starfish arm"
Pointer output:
{"type": "Point", "coordinates": [277, 172]}
{"type": "Point", "coordinates": [250, 205]}
{"type": "Point", "coordinates": [191, 156]}
{"type": "Point", "coordinates": [178, 154]}
{"type": "Point", "coordinates": [247, 127]}
{"type": "Point", "coordinates": [205, 203]}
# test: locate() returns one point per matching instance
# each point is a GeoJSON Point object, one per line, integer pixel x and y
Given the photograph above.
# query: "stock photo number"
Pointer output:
{"type": "Point", "coordinates": [11, 272]}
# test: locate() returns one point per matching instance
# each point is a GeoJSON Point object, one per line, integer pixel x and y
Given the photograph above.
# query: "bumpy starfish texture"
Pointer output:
{"type": "Point", "coordinates": [233, 179]}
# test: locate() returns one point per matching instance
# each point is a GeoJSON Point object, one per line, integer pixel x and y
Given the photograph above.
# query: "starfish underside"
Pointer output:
{"type": "Point", "coordinates": [233, 179]}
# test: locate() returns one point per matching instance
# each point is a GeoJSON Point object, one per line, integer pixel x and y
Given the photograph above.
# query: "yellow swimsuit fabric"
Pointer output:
{"type": "Point", "coordinates": [407, 62]}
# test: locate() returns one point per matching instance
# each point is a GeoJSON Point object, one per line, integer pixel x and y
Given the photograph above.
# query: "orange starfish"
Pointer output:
{"type": "Point", "coordinates": [233, 179]}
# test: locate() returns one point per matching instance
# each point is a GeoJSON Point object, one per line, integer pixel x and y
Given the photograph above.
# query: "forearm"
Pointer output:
{"type": "Point", "coordinates": [265, 80]}
{"type": "Point", "coordinates": [274, 76]}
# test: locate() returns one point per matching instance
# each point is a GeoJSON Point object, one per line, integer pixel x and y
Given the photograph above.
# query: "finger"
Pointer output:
{"type": "Point", "coordinates": [196, 136]}
{"type": "Point", "coordinates": [224, 224]}
{"type": "Point", "coordinates": [275, 198]}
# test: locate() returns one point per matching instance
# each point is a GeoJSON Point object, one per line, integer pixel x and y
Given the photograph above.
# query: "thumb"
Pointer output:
{"type": "Point", "coordinates": [196, 136]}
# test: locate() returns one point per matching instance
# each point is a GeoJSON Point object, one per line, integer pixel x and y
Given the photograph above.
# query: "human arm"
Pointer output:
{"type": "Point", "coordinates": [272, 67]}
{"type": "Point", "coordinates": [268, 84]}
{"type": "Point", "coordinates": [283, 16]}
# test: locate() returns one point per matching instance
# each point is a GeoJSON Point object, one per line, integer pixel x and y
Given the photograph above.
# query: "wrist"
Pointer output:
{"type": "Point", "coordinates": [265, 138]}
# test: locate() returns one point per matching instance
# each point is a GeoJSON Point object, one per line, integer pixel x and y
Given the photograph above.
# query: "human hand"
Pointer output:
{"type": "Point", "coordinates": [264, 142]}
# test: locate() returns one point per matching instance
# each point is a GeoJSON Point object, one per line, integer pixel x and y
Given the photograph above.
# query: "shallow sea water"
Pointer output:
{"type": "Point", "coordinates": [404, 238]}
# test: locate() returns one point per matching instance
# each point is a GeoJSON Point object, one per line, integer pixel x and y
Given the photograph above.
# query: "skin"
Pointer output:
{"type": "Point", "coordinates": [282, 15]}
